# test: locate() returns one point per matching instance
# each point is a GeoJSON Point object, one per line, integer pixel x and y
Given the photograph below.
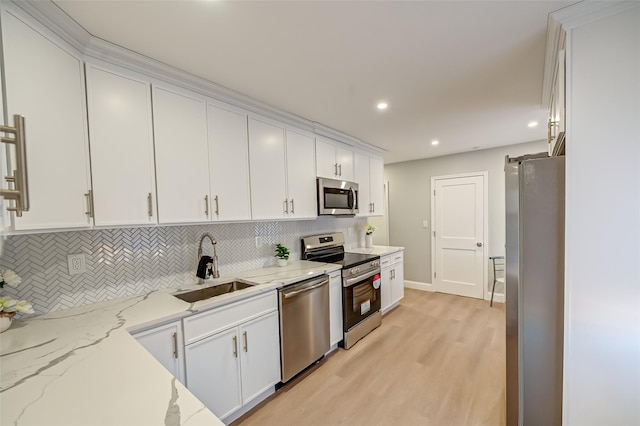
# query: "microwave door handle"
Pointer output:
{"type": "Point", "coordinates": [353, 195]}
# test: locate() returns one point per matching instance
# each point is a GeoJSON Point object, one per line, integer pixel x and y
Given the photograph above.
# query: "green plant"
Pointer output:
{"type": "Point", "coordinates": [282, 252]}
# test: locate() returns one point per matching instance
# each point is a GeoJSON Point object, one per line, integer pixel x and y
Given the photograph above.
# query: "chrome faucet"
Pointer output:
{"type": "Point", "coordinates": [216, 272]}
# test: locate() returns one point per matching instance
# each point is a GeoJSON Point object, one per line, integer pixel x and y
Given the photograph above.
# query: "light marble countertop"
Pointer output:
{"type": "Point", "coordinates": [82, 367]}
{"type": "Point", "coordinates": [379, 250]}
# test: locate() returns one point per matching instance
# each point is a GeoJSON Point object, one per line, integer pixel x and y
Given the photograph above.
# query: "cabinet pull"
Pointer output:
{"type": "Point", "coordinates": [373, 207]}
{"type": "Point", "coordinates": [217, 206]}
{"type": "Point", "coordinates": [89, 196]}
{"type": "Point", "coordinates": [399, 257]}
{"type": "Point", "coordinates": [235, 346]}
{"type": "Point", "coordinates": [20, 179]}
{"type": "Point", "coordinates": [206, 205]}
{"type": "Point", "coordinates": [150, 205]}
{"type": "Point", "coordinates": [391, 274]}
{"type": "Point", "coordinates": [339, 169]}
{"type": "Point", "coordinates": [286, 206]}
{"type": "Point", "coordinates": [335, 169]}
{"type": "Point", "coordinates": [292, 210]}
{"type": "Point", "coordinates": [246, 341]}
{"type": "Point", "coordinates": [174, 337]}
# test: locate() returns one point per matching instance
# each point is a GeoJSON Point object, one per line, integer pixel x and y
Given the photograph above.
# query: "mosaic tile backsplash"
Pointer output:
{"type": "Point", "coordinates": [129, 261]}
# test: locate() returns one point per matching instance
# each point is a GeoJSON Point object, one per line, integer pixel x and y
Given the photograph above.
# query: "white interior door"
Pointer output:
{"type": "Point", "coordinates": [459, 240]}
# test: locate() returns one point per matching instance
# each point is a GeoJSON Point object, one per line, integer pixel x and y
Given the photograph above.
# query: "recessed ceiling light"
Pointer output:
{"type": "Point", "coordinates": [382, 105]}
{"type": "Point", "coordinates": [434, 142]}
{"type": "Point", "coordinates": [532, 124]}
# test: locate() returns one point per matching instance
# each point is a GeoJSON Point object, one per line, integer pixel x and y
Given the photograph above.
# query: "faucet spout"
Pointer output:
{"type": "Point", "coordinates": [216, 272]}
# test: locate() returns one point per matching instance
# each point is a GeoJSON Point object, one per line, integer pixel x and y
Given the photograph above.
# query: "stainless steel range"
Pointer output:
{"type": "Point", "coordinates": [360, 283]}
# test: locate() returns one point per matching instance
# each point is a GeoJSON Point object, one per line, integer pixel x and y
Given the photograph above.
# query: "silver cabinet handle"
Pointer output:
{"type": "Point", "coordinates": [20, 178]}
{"type": "Point", "coordinates": [399, 257]}
{"type": "Point", "coordinates": [235, 346]}
{"type": "Point", "coordinates": [206, 205]}
{"type": "Point", "coordinates": [373, 207]}
{"type": "Point", "coordinates": [246, 341]}
{"type": "Point", "coordinates": [286, 206]}
{"type": "Point", "coordinates": [89, 196]}
{"type": "Point", "coordinates": [479, 244]}
{"type": "Point", "coordinates": [174, 337]}
{"type": "Point", "coordinates": [339, 169]}
{"type": "Point", "coordinates": [150, 205]}
{"type": "Point", "coordinates": [292, 210]}
{"type": "Point", "coordinates": [217, 206]}
{"type": "Point", "coordinates": [335, 169]}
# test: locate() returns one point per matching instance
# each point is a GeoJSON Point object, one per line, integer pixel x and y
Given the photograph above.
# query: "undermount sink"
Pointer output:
{"type": "Point", "coordinates": [216, 290]}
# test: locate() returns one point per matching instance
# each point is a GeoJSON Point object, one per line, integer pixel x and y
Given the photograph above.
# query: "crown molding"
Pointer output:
{"type": "Point", "coordinates": [567, 19]}
{"type": "Point", "coordinates": [62, 25]}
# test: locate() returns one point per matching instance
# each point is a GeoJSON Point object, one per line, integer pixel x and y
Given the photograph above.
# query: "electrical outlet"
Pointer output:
{"type": "Point", "coordinates": [77, 264]}
{"type": "Point", "coordinates": [258, 242]}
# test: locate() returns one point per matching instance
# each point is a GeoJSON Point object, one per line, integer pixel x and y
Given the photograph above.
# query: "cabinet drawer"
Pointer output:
{"type": "Point", "coordinates": [207, 323]}
{"type": "Point", "coordinates": [392, 259]}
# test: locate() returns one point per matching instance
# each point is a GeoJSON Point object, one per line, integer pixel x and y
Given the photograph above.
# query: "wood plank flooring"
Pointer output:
{"type": "Point", "coordinates": [437, 359]}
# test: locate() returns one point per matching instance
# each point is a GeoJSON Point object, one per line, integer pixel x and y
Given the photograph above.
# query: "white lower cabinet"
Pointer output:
{"type": "Point", "coordinates": [165, 344]}
{"type": "Point", "coordinates": [335, 308]}
{"type": "Point", "coordinates": [392, 287]}
{"type": "Point", "coordinates": [239, 360]}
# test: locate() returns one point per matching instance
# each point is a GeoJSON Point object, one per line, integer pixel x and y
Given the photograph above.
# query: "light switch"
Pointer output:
{"type": "Point", "coordinates": [425, 224]}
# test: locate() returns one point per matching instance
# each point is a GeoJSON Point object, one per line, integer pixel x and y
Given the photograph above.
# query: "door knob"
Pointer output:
{"type": "Point", "coordinates": [479, 244]}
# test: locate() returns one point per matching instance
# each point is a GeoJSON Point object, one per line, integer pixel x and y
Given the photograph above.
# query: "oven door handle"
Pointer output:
{"type": "Point", "coordinates": [305, 287]}
{"type": "Point", "coordinates": [351, 281]}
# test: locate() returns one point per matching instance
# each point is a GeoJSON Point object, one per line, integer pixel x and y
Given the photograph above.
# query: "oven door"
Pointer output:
{"type": "Point", "coordinates": [361, 298]}
{"type": "Point", "coordinates": [337, 197]}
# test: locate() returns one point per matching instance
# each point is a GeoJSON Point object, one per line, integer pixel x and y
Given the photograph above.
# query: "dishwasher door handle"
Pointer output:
{"type": "Point", "coordinates": [305, 288]}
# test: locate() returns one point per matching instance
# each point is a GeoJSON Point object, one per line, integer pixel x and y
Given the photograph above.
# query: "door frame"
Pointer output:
{"type": "Point", "coordinates": [485, 236]}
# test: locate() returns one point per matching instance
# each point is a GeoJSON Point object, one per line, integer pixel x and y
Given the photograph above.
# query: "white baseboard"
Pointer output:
{"type": "Point", "coordinates": [498, 297]}
{"type": "Point", "coordinates": [418, 285]}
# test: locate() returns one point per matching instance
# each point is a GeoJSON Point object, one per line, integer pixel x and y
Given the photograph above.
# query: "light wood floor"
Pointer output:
{"type": "Point", "coordinates": [436, 360]}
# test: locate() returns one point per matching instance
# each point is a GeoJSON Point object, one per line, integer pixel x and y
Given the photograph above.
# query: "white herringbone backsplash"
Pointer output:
{"type": "Point", "coordinates": [123, 262]}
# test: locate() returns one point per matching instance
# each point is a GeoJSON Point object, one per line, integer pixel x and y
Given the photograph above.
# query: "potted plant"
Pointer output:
{"type": "Point", "coordinates": [9, 306]}
{"type": "Point", "coordinates": [282, 255]}
{"type": "Point", "coordinates": [368, 235]}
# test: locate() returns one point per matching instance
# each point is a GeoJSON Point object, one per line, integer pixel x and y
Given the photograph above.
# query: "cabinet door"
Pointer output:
{"type": "Point", "coordinates": [213, 372]}
{"type": "Point", "coordinates": [362, 179]}
{"type": "Point", "coordinates": [259, 346]}
{"type": "Point", "coordinates": [344, 158]}
{"type": "Point", "coordinates": [165, 344]}
{"type": "Point", "coordinates": [121, 140]}
{"type": "Point", "coordinates": [268, 182]}
{"type": "Point", "coordinates": [326, 165]}
{"type": "Point", "coordinates": [335, 308]}
{"type": "Point", "coordinates": [397, 287]}
{"type": "Point", "coordinates": [229, 164]}
{"type": "Point", "coordinates": [385, 288]}
{"type": "Point", "coordinates": [45, 83]}
{"type": "Point", "coordinates": [376, 185]}
{"type": "Point", "coordinates": [182, 165]}
{"type": "Point", "coordinates": [301, 175]}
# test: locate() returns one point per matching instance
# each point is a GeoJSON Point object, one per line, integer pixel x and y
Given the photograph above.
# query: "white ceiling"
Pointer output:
{"type": "Point", "coordinates": [468, 73]}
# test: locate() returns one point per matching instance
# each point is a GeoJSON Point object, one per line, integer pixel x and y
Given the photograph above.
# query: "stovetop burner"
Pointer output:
{"type": "Point", "coordinates": [329, 248]}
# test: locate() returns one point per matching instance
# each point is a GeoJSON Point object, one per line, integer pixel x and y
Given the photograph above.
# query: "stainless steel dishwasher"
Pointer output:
{"type": "Point", "coordinates": [304, 324]}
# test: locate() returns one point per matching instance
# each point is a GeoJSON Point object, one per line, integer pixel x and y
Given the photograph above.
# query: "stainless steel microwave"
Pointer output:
{"type": "Point", "coordinates": [337, 197]}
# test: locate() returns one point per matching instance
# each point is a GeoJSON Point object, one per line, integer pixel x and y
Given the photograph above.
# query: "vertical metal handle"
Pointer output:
{"type": "Point", "coordinates": [206, 205]}
{"type": "Point", "coordinates": [391, 274]}
{"type": "Point", "coordinates": [335, 169]}
{"type": "Point", "coordinates": [355, 203]}
{"type": "Point", "coordinates": [235, 346]}
{"type": "Point", "coordinates": [89, 196]}
{"type": "Point", "coordinates": [20, 178]}
{"type": "Point", "coordinates": [292, 207]}
{"type": "Point", "coordinates": [373, 207]}
{"type": "Point", "coordinates": [150, 205]}
{"type": "Point", "coordinates": [246, 341]}
{"type": "Point", "coordinates": [340, 170]}
{"type": "Point", "coordinates": [174, 337]}
{"type": "Point", "coordinates": [286, 206]}
{"type": "Point", "coordinates": [217, 206]}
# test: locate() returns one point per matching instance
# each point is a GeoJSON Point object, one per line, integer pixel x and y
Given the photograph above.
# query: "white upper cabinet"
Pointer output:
{"type": "Point", "coordinates": [268, 170]}
{"type": "Point", "coordinates": [301, 175]}
{"type": "Point", "coordinates": [45, 83]}
{"type": "Point", "coordinates": [369, 172]}
{"type": "Point", "coordinates": [121, 140]}
{"type": "Point", "coordinates": [333, 161]}
{"type": "Point", "coordinates": [229, 164]}
{"type": "Point", "coordinates": [182, 157]}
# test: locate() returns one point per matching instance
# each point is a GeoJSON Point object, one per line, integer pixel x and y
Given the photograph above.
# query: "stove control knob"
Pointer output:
{"type": "Point", "coordinates": [375, 263]}
{"type": "Point", "coordinates": [354, 271]}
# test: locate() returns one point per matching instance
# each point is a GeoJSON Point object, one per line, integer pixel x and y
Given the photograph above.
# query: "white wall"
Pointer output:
{"type": "Point", "coordinates": [602, 288]}
{"type": "Point", "coordinates": [410, 201]}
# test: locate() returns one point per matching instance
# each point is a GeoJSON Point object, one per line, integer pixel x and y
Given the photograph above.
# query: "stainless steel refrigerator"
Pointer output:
{"type": "Point", "coordinates": [534, 276]}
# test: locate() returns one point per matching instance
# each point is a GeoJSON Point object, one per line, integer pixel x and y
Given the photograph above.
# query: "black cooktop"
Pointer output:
{"type": "Point", "coordinates": [347, 260]}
